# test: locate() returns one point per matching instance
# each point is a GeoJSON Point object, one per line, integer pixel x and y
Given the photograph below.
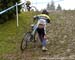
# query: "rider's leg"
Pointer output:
{"type": "Point", "coordinates": [41, 37]}
{"type": "Point", "coordinates": [43, 41]}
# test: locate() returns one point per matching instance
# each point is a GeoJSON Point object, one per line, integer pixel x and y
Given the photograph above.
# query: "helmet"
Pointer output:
{"type": "Point", "coordinates": [45, 12]}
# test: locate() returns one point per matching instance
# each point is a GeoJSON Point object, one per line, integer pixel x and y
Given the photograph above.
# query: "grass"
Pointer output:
{"type": "Point", "coordinates": [6, 34]}
{"type": "Point", "coordinates": [10, 34]}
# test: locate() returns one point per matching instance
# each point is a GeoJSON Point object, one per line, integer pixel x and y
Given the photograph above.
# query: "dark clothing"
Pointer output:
{"type": "Point", "coordinates": [41, 36]}
{"type": "Point", "coordinates": [41, 32]}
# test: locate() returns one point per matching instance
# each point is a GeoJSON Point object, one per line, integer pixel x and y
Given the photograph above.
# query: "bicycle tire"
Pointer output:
{"type": "Point", "coordinates": [24, 43]}
{"type": "Point", "coordinates": [35, 39]}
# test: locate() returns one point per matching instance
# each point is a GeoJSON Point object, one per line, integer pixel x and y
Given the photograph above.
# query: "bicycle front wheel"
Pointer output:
{"type": "Point", "coordinates": [25, 41]}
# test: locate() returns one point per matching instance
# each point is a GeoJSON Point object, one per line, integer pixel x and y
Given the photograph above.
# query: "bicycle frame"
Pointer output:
{"type": "Point", "coordinates": [34, 28]}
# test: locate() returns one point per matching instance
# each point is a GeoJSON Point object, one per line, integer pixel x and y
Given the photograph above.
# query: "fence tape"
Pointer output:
{"type": "Point", "coordinates": [10, 8]}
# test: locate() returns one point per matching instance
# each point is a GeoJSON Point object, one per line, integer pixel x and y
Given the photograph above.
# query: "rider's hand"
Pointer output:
{"type": "Point", "coordinates": [45, 37]}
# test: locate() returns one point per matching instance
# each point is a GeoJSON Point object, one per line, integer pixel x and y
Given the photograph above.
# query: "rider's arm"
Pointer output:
{"type": "Point", "coordinates": [48, 20]}
{"type": "Point", "coordinates": [45, 30]}
{"type": "Point", "coordinates": [35, 18]}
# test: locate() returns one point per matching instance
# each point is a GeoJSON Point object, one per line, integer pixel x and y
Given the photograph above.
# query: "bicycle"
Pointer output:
{"type": "Point", "coordinates": [29, 37]}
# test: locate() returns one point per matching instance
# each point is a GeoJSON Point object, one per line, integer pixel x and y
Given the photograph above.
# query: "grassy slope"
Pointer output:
{"type": "Point", "coordinates": [61, 36]}
{"type": "Point", "coordinates": [10, 34]}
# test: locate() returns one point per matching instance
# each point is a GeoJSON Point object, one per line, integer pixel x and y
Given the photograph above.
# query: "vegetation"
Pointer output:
{"type": "Point", "coordinates": [4, 4]}
{"type": "Point", "coordinates": [59, 7]}
{"type": "Point", "coordinates": [51, 6]}
{"type": "Point", "coordinates": [10, 34]}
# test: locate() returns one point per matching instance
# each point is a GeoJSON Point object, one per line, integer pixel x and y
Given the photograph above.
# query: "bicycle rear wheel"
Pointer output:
{"type": "Point", "coordinates": [25, 41]}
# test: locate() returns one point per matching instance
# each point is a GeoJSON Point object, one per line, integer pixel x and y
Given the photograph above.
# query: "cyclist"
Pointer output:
{"type": "Point", "coordinates": [28, 3]}
{"type": "Point", "coordinates": [42, 19]}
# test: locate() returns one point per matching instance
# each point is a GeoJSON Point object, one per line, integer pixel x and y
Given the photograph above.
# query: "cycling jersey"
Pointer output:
{"type": "Point", "coordinates": [42, 16]}
{"type": "Point", "coordinates": [42, 19]}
